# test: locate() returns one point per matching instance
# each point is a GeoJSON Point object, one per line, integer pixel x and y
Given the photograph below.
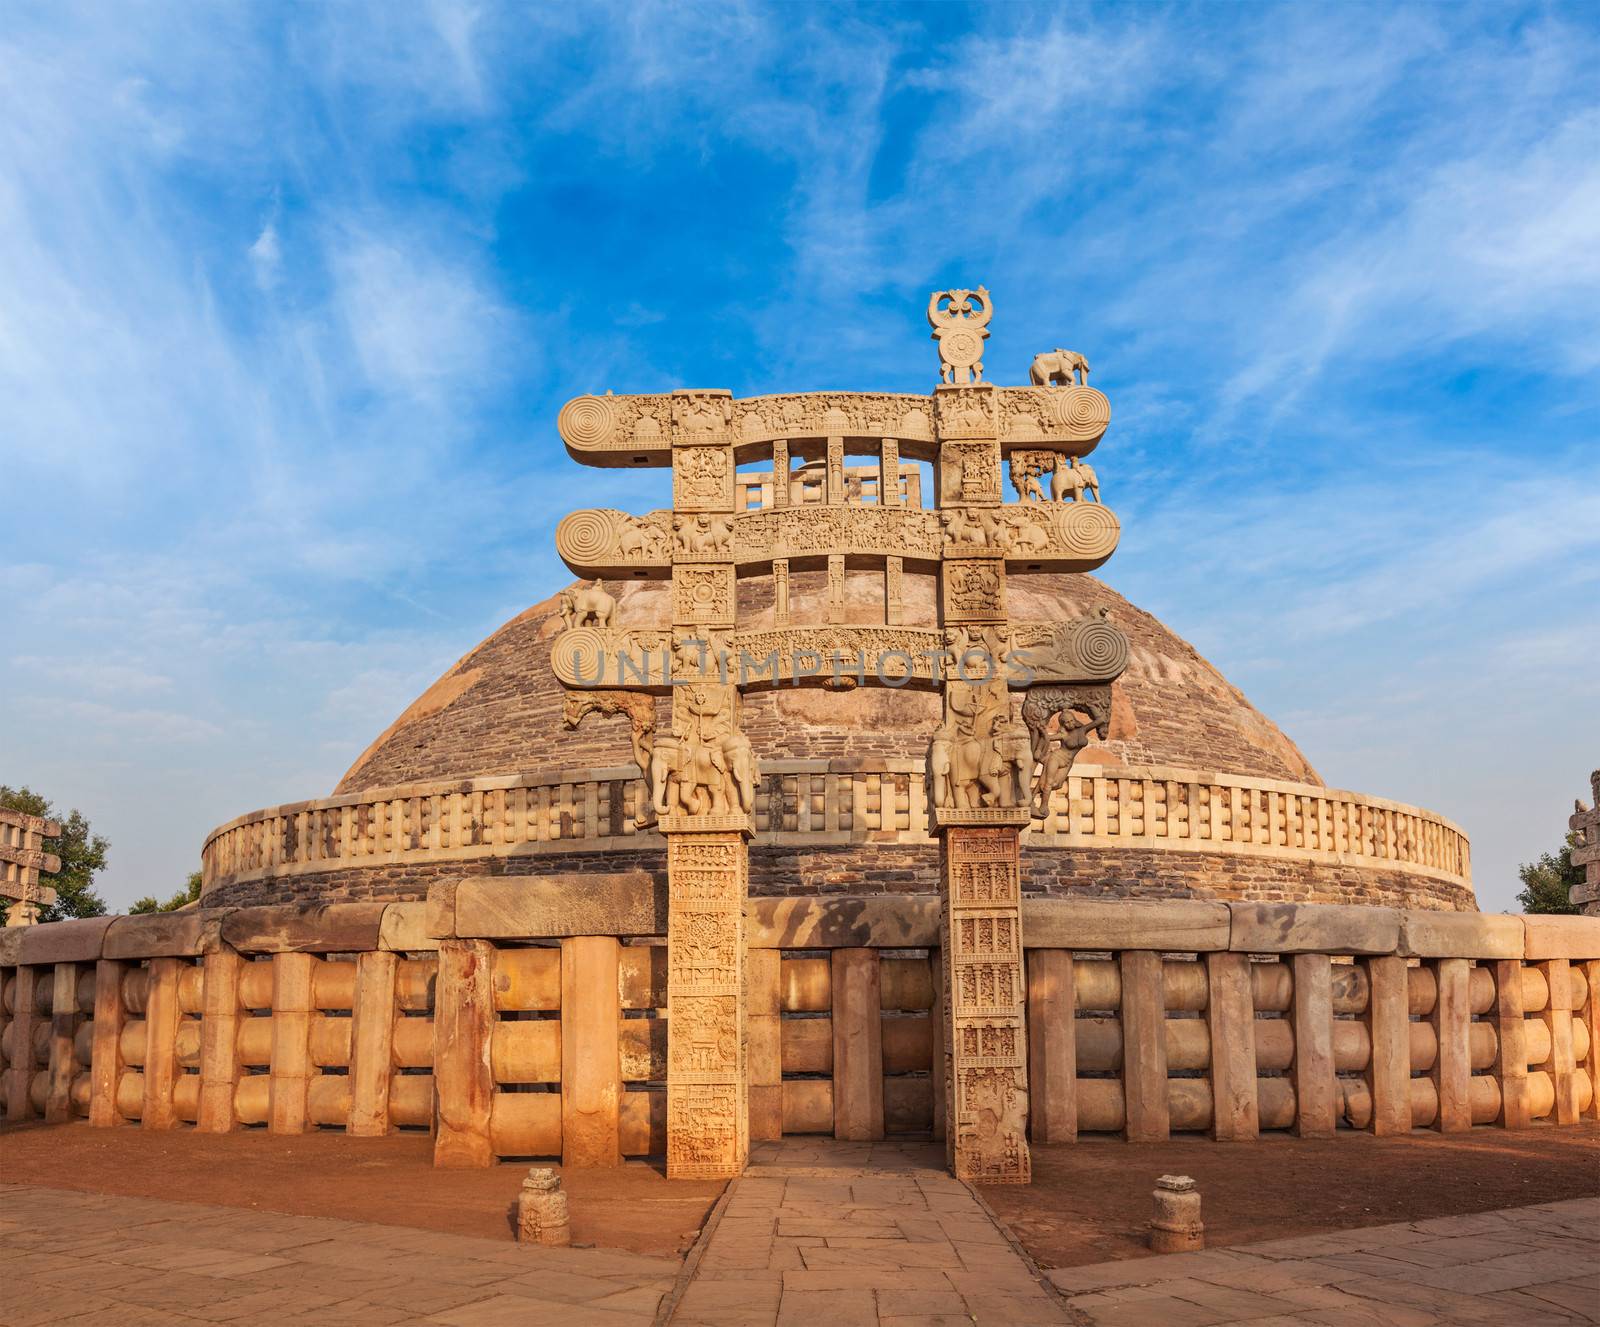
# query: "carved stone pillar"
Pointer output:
{"type": "Point", "coordinates": [834, 494]}
{"type": "Point", "coordinates": [780, 591]}
{"type": "Point", "coordinates": [780, 473]}
{"type": "Point", "coordinates": [708, 1121]}
{"type": "Point", "coordinates": [836, 587]}
{"type": "Point", "coordinates": [985, 1034]}
{"type": "Point", "coordinates": [889, 474]}
{"type": "Point", "coordinates": [894, 609]}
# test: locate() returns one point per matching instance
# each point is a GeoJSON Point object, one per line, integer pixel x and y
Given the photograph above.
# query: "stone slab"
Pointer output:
{"type": "Point", "coordinates": [305, 928]}
{"type": "Point", "coordinates": [10, 945]}
{"type": "Point", "coordinates": [165, 934]}
{"type": "Point", "coordinates": [441, 914]}
{"type": "Point", "coordinates": [1428, 934]}
{"type": "Point", "coordinates": [1312, 928]}
{"type": "Point", "coordinates": [1561, 937]}
{"type": "Point", "coordinates": [616, 903]}
{"type": "Point", "coordinates": [76, 941]}
{"type": "Point", "coordinates": [908, 921]}
{"type": "Point", "coordinates": [1168, 925]}
{"type": "Point", "coordinates": [404, 929]}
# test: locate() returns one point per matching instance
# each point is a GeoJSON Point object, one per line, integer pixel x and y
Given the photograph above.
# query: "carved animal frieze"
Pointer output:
{"type": "Point", "coordinates": [1070, 478]}
{"type": "Point", "coordinates": [590, 657]}
{"type": "Point", "coordinates": [701, 416]}
{"type": "Point", "coordinates": [703, 537]}
{"type": "Point", "coordinates": [604, 539]}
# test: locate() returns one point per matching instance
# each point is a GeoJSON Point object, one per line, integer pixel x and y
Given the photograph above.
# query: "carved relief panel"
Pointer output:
{"type": "Point", "coordinates": [986, 1064]}
{"type": "Point", "coordinates": [702, 596]}
{"type": "Point", "coordinates": [702, 478]}
{"type": "Point", "coordinates": [707, 1113]}
{"type": "Point", "coordinates": [974, 590]}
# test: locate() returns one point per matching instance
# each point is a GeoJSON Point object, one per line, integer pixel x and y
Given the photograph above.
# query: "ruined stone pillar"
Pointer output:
{"type": "Point", "coordinates": [985, 1034]}
{"type": "Point", "coordinates": [708, 1120]}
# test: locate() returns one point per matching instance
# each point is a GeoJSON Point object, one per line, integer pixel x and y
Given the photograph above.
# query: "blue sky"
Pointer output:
{"type": "Point", "coordinates": [290, 296]}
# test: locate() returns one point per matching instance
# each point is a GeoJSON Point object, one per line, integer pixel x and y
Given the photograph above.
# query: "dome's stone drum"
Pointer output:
{"type": "Point", "coordinates": [1195, 793]}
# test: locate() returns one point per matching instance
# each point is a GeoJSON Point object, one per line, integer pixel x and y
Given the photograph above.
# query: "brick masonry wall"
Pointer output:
{"type": "Point", "coordinates": [910, 869]}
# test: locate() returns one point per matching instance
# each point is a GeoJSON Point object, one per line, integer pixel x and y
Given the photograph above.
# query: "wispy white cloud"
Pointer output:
{"type": "Point", "coordinates": [288, 302]}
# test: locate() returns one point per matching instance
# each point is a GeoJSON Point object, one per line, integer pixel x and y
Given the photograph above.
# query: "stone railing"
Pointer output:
{"type": "Point", "coordinates": [818, 803]}
{"type": "Point", "coordinates": [527, 1018]}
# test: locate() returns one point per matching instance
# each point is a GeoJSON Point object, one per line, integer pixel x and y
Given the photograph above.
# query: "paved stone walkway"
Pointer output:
{"type": "Point", "coordinates": [827, 1234]}
{"type": "Point", "coordinates": [1521, 1265]}
{"type": "Point", "coordinates": [815, 1234]}
{"type": "Point", "coordinates": [82, 1258]}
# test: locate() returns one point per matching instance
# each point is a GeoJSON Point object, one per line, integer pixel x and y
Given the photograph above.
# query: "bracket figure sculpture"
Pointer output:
{"type": "Point", "coordinates": [640, 710]}
{"type": "Point", "coordinates": [960, 331]}
{"type": "Point", "coordinates": [1054, 762]}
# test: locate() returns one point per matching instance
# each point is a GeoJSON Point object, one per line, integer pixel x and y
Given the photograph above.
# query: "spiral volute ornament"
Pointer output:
{"type": "Point", "coordinates": [1087, 529]}
{"type": "Point", "coordinates": [587, 421]}
{"type": "Point", "coordinates": [1097, 649]}
{"type": "Point", "coordinates": [581, 656]}
{"type": "Point", "coordinates": [587, 538]}
{"type": "Point", "coordinates": [1084, 412]}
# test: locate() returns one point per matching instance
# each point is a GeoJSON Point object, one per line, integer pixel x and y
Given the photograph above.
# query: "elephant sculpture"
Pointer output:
{"type": "Point", "coordinates": [591, 604]}
{"type": "Point", "coordinates": [695, 778]}
{"type": "Point", "coordinates": [639, 539]}
{"type": "Point", "coordinates": [688, 778]}
{"type": "Point", "coordinates": [1058, 367]}
{"type": "Point", "coordinates": [1071, 481]}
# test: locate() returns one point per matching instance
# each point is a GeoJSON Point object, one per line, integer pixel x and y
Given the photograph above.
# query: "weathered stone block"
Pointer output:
{"type": "Point", "coordinates": [307, 928]}
{"type": "Point", "coordinates": [77, 941]}
{"type": "Point", "coordinates": [441, 905]}
{"type": "Point", "coordinates": [1561, 937]}
{"type": "Point", "coordinates": [620, 903]}
{"type": "Point", "coordinates": [878, 921]}
{"type": "Point", "coordinates": [1459, 935]}
{"type": "Point", "coordinates": [404, 928]}
{"type": "Point", "coordinates": [1291, 928]}
{"type": "Point", "coordinates": [164, 934]}
{"type": "Point", "coordinates": [1171, 924]}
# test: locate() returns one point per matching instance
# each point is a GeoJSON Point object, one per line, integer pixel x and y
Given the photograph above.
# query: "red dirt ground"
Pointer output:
{"type": "Point", "coordinates": [1090, 1201]}
{"type": "Point", "coordinates": [388, 1180]}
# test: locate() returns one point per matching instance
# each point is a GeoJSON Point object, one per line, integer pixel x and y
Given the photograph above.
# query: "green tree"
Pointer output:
{"type": "Point", "coordinates": [188, 894]}
{"type": "Point", "coordinates": [1546, 882]}
{"type": "Point", "coordinates": [82, 853]}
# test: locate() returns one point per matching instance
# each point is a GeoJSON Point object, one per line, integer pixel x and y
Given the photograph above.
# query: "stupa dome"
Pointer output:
{"type": "Point", "coordinates": [1195, 792]}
